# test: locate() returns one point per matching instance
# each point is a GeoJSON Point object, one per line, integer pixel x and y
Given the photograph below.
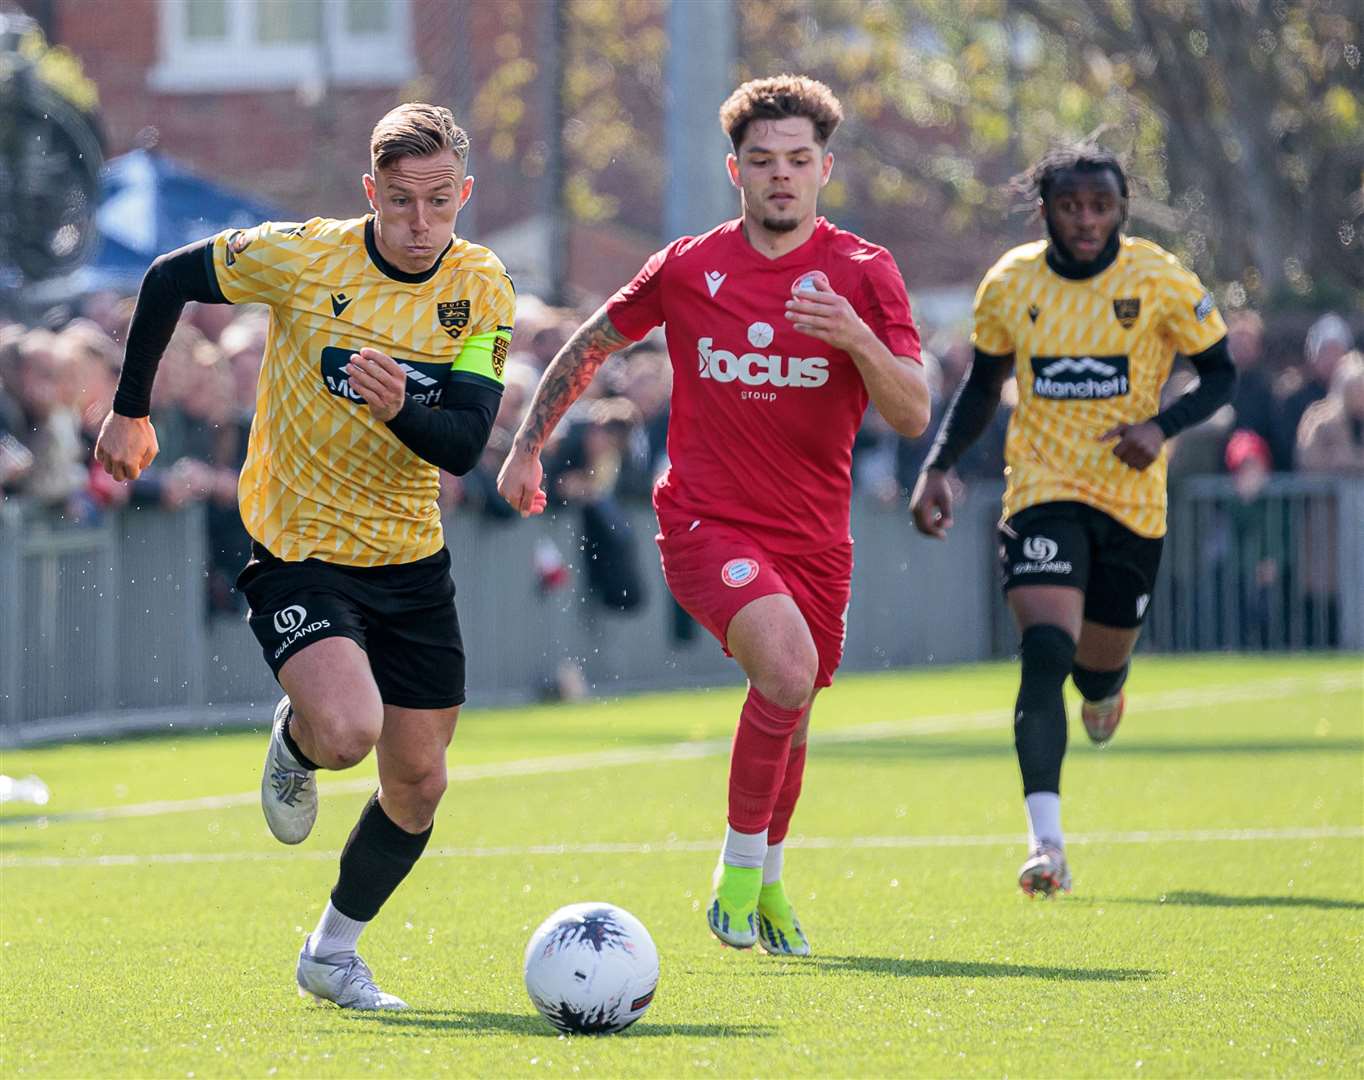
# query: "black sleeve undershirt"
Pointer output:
{"type": "Point", "coordinates": [453, 436]}
{"type": "Point", "coordinates": [971, 410]}
{"type": "Point", "coordinates": [1216, 380]}
{"type": "Point", "coordinates": [172, 281]}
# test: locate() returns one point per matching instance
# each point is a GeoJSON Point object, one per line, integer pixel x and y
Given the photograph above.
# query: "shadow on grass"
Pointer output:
{"type": "Point", "coordinates": [427, 1021]}
{"type": "Point", "coordinates": [918, 747]}
{"type": "Point", "coordinates": [1195, 898]}
{"type": "Point", "coordinates": [975, 969]}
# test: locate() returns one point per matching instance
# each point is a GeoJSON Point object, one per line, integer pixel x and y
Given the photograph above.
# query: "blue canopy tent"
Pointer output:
{"type": "Point", "coordinates": [149, 204]}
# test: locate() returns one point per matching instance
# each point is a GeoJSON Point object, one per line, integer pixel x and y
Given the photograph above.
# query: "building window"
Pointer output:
{"type": "Point", "coordinates": [291, 21]}
{"type": "Point", "coordinates": [209, 45]}
{"type": "Point", "coordinates": [206, 20]}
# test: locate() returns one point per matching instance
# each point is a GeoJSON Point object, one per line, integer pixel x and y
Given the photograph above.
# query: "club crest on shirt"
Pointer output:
{"type": "Point", "coordinates": [499, 360]}
{"type": "Point", "coordinates": [453, 316]}
{"type": "Point", "coordinates": [1127, 311]}
{"type": "Point", "coordinates": [739, 572]}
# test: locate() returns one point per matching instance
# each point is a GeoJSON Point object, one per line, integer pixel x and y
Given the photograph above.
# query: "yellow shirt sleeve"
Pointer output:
{"type": "Point", "coordinates": [991, 333]}
{"type": "Point", "coordinates": [261, 264]}
{"type": "Point", "coordinates": [1192, 322]}
{"type": "Point", "coordinates": [483, 354]}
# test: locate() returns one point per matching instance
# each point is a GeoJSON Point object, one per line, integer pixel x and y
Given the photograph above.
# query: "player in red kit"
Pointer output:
{"type": "Point", "coordinates": [780, 328]}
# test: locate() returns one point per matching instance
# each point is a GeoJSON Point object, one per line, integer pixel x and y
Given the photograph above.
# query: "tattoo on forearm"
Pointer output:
{"type": "Point", "coordinates": [567, 376]}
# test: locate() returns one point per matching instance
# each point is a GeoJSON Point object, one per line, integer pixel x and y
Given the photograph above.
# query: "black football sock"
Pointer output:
{"type": "Point", "coordinates": [1097, 685]}
{"type": "Point", "coordinates": [1048, 654]}
{"type": "Point", "coordinates": [374, 862]}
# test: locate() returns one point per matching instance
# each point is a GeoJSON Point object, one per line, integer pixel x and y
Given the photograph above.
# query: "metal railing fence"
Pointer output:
{"type": "Point", "coordinates": [1277, 569]}
{"type": "Point", "coordinates": [107, 627]}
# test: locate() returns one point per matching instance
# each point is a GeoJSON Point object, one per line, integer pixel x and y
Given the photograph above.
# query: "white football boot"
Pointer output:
{"type": "Point", "coordinates": [288, 791]}
{"type": "Point", "coordinates": [345, 980]}
{"type": "Point", "coordinates": [1046, 872]}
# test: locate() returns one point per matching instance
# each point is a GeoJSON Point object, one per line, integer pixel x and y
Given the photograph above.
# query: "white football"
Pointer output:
{"type": "Point", "coordinates": [591, 969]}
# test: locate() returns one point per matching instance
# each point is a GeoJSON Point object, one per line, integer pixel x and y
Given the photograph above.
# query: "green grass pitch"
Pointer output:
{"type": "Point", "coordinates": [149, 924]}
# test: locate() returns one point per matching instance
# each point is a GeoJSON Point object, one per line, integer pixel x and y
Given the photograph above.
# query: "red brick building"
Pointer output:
{"type": "Point", "coordinates": [277, 97]}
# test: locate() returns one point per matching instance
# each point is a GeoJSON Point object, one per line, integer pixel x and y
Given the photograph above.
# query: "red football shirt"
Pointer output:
{"type": "Point", "coordinates": [763, 417]}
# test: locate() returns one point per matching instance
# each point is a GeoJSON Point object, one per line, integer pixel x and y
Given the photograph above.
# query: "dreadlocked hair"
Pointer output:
{"type": "Point", "coordinates": [1036, 182]}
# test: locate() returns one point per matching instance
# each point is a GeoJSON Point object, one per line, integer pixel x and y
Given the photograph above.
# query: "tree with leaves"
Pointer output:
{"type": "Point", "coordinates": [1245, 118]}
{"type": "Point", "coordinates": [1242, 121]}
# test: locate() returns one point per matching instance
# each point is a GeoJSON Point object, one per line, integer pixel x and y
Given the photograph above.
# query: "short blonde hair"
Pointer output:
{"type": "Point", "coordinates": [416, 130]}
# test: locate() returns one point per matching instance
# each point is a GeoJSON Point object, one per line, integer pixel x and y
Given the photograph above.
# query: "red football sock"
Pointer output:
{"type": "Point", "coordinates": [758, 760]}
{"type": "Point", "coordinates": [787, 796]}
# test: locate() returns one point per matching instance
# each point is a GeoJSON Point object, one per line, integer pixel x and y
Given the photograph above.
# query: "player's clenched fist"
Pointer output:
{"type": "Point", "coordinates": [519, 482]}
{"type": "Point", "coordinates": [126, 445]}
{"type": "Point", "coordinates": [815, 309]}
{"type": "Point", "coordinates": [1137, 444]}
{"type": "Point", "coordinates": [377, 378]}
{"type": "Point", "coordinates": [931, 504]}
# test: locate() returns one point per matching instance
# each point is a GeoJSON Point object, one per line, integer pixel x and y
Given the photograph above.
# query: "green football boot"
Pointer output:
{"type": "Point", "coordinates": [732, 914]}
{"type": "Point", "coordinates": [779, 931]}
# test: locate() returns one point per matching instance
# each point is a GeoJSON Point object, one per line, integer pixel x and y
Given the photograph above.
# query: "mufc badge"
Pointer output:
{"type": "Point", "coordinates": [1127, 311]}
{"type": "Point", "coordinates": [453, 316]}
{"type": "Point", "coordinates": [499, 355]}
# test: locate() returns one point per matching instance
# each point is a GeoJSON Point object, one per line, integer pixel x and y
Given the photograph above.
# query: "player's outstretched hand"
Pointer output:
{"type": "Point", "coordinates": [1138, 444]}
{"type": "Point", "coordinates": [126, 445]}
{"type": "Point", "coordinates": [378, 379]}
{"type": "Point", "coordinates": [931, 504]}
{"type": "Point", "coordinates": [519, 482]}
{"type": "Point", "coordinates": [815, 309]}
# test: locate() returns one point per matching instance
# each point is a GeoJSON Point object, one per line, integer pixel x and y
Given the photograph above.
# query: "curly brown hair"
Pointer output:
{"type": "Point", "coordinates": [415, 130]}
{"type": "Point", "coordinates": [776, 98]}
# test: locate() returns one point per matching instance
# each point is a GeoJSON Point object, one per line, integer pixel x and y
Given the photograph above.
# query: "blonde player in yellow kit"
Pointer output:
{"type": "Point", "coordinates": [1090, 321]}
{"type": "Point", "coordinates": [387, 341]}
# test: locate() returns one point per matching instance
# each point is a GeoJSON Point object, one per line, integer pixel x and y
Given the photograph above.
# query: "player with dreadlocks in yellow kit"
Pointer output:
{"type": "Point", "coordinates": [1089, 320]}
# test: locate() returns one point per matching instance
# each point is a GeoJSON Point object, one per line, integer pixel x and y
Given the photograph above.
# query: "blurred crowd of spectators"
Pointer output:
{"type": "Point", "coordinates": [1294, 410]}
{"type": "Point", "coordinates": [1298, 408]}
{"type": "Point", "coordinates": [56, 386]}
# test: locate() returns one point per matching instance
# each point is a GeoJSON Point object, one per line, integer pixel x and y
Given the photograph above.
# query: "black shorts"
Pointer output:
{"type": "Point", "coordinates": [402, 616]}
{"type": "Point", "coordinates": [1070, 543]}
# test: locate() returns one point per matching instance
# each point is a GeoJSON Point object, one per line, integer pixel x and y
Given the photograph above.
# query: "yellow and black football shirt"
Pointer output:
{"type": "Point", "coordinates": [1089, 354]}
{"type": "Point", "coordinates": [323, 477]}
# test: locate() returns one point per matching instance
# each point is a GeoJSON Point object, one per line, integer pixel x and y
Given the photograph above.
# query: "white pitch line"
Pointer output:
{"type": "Point", "coordinates": [665, 847]}
{"type": "Point", "coordinates": [938, 724]}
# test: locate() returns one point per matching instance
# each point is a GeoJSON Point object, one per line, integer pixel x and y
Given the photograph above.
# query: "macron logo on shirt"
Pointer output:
{"type": "Point", "coordinates": [714, 279]}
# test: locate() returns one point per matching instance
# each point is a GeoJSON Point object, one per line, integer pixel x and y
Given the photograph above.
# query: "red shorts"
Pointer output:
{"type": "Point", "coordinates": [713, 571]}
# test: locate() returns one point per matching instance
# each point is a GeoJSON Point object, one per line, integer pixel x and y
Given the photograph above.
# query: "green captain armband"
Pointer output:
{"type": "Point", "coordinates": [484, 358]}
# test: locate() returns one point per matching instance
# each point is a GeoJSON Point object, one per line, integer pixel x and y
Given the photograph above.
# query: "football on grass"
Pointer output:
{"type": "Point", "coordinates": [591, 969]}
